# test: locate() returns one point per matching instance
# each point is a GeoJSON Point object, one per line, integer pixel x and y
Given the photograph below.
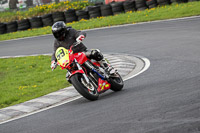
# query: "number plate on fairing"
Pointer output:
{"type": "Point", "coordinates": [62, 56]}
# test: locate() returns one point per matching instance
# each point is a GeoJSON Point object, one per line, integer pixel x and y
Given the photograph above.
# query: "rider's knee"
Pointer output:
{"type": "Point", "coordinates": [96, 54]}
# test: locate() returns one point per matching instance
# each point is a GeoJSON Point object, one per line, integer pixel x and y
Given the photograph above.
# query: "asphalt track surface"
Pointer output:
{"type": "Point", "coordinates": [164, 99]}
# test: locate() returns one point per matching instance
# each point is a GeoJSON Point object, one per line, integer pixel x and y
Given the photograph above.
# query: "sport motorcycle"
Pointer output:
{"type": "Point", "coordinates": [87, 76]}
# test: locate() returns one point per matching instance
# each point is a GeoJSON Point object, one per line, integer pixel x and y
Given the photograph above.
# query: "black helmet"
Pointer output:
{"type": "Point", "coordinates": [59, 30]}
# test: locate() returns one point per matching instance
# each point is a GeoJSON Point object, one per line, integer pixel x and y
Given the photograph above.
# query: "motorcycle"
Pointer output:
{"type": "Point", "coordinates": [86, 75]}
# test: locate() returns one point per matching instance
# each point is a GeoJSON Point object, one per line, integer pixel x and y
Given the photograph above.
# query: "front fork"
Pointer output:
{"type": "Point", "coordinates": [69, 74]}
{"type": "Point", "coordinates": [84, 75]}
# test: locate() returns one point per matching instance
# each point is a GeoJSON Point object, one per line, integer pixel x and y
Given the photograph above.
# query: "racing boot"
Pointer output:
{"type": "Point", "coordinates": [107, 67]}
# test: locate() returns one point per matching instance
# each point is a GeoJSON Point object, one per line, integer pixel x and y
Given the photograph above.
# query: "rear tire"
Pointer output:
{"type": "Point", "coordinates": [78, 82]}
{"type": "Point", "coordinates": [116, 82]}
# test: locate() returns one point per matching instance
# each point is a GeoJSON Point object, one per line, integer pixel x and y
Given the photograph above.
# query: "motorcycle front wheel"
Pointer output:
{"type": "Point", "coordinates": [89, 91]}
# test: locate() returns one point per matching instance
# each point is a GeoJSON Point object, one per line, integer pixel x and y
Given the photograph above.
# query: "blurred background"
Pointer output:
{"type": "Point", "coordinates": [24, 4]}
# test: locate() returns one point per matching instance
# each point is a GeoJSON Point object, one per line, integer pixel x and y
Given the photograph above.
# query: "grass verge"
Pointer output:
{"type": "Point", "coordinates": [25, 78]}
{"type": "Point", "coordinates": [159, 13]}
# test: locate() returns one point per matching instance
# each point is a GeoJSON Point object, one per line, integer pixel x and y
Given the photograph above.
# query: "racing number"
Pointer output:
{"type": "Point", "coordinates": [61, 54]}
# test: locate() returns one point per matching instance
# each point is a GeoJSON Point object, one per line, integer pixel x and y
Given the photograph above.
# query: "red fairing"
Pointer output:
{"type": "Point", "coordinates": [80, 57]}
{"type": "Point", "coordinates": [103, 85]}
{"type": "Point", "coordinates": [96, 63]}
{"type": "Point", "coordinates": [71, 56]}
{"type": "Point", "coordinates": [77, 71]}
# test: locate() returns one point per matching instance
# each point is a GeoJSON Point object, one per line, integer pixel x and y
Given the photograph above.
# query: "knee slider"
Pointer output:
{"type": "Point", "coordinates": [96, 54]}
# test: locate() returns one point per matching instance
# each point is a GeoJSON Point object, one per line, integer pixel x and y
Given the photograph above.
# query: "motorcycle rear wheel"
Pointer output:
{"type": "Point", "coordinates": [77, 81]}
{"type": "Point", "coordinates": [116, 82]}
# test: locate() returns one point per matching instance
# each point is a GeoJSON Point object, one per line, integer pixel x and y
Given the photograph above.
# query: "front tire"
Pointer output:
{"type": "Point", "coordinates": [116, 82]}
{"type": "Point", "coordinates": [78, 82]}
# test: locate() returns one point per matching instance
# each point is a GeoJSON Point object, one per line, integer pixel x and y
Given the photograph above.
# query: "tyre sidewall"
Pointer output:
{"type": "Point", "coordinates": [81, 88]}
{"type": "Point", "coordinates": [115, 86]}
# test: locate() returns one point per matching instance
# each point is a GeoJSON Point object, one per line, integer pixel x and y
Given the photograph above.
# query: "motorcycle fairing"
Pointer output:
{"type": "Point", "coordinates": [103, 85]}
{"type": "Point", "coordinates": [62, 56]}
{"type": "Point", "coordinates": [80, 57]}
{"type": "Point", "coordinates": [96, 63]}
{"type": "Point", "coordinates": [77, 71]}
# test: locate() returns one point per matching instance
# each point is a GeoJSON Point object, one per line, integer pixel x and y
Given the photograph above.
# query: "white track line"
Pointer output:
{"type": "Point", "coordinates": [146, 66]}
{"type": "Point", "coordinates": [19, 117]}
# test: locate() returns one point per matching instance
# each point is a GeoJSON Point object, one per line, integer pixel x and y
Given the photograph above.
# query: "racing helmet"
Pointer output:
{"type": "Point", "coordinates": [59, 30]}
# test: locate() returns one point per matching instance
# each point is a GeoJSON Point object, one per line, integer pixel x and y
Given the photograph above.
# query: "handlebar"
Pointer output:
{"type": "Point", "coordinates": [76, 43]}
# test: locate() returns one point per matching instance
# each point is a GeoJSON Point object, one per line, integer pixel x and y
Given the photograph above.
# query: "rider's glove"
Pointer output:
{"type": "Point", "coordinates": [80, 38]}
{"type": "Point", "coordinates": [53, 64]}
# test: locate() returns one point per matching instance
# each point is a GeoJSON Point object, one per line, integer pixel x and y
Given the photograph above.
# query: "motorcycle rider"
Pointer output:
{"type": "Point", "coordinates": [67, 36]}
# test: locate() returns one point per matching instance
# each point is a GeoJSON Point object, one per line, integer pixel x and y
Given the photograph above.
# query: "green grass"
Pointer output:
{"type": "Point", "coordinates": [159, 13]}
{"type": "Point", "coordinates": [25, 78]}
